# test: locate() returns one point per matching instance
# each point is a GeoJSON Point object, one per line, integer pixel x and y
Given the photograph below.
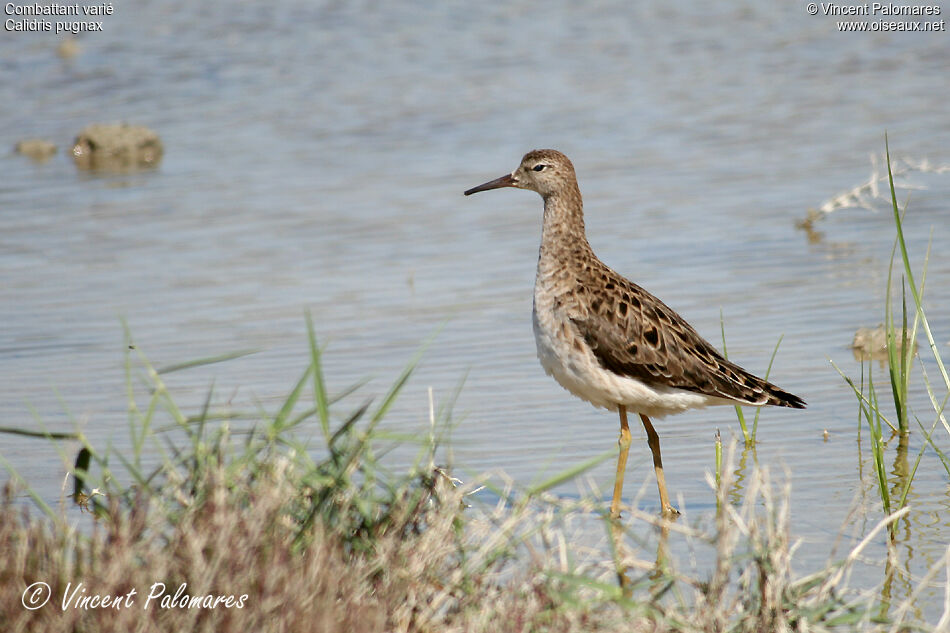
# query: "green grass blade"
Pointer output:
{"type": "Point", "coordinates": [290, 401]}
{"type": "Point", "coordinates": [47, 435]}
{"type": "Point", "coordinates": [913, 471]}
{"type": "Point", "coordinates": [739, 413]}
{"type": "Point", "coordinates": [893, 366]}
{"type": "Point", "coordinates": [319, 384]}
{"type": "Point", "coordinates": [403, 378]}
{"type": "Point", "coordinates": [768, 370]}
{"type": "Point", "coordinates": [37, 499]}
{"type": "Point", "coordinates": [569, 473]}
{"type": "Point", "coordinates": [167, 369]}
{"type": "Point", "coordinates": [869, 403]}
{"type": "Point", "coordinates": [910, 274]}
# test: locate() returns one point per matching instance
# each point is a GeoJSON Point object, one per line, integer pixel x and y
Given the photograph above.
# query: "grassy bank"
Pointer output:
{"type": "Point", "coordinates": [254, 533]}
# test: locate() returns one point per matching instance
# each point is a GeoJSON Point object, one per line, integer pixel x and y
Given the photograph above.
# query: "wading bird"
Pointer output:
{"type": "Point", "coordinates": [610, 342]}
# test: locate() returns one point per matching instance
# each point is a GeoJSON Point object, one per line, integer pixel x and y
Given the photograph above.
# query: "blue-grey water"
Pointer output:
{"type": "Point", "coordinates": [315, 155]}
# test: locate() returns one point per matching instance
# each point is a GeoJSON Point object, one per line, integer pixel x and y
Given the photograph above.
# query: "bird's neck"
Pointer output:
{"type": "Point", "coordinates": [563, 230]}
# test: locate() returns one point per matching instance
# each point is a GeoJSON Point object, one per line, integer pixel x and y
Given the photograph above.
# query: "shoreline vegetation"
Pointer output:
{"type": "Point", "coordinates": [259, 531]}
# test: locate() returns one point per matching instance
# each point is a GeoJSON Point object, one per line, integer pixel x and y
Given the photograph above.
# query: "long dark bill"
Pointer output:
{"type": "Point", "coordinates": [497, 183]}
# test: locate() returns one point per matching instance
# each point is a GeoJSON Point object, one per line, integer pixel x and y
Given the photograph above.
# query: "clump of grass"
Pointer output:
{"type": "Point", "coordinates": [297, 542]}
{"type": "Point", "coordinates": [901, 343]}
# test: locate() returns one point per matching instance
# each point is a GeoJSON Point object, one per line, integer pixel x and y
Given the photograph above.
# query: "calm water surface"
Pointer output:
{"type": "Point", "coordinates": [315, 159]}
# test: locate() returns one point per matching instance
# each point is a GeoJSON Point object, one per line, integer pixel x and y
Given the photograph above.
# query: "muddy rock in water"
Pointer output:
{"type": "Point", "coordinates": [36, 149]}
{"type": "Point", "coordinates": [117, 147]}
{"type": "Point", "coordinates": [871, 343]}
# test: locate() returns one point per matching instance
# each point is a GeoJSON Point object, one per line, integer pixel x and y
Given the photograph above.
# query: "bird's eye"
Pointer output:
{"type": "Point", "coordinates": [539, 167]}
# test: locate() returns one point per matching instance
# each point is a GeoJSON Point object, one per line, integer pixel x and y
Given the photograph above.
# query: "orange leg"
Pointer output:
{"type": "Point", "coordinates": [624, 443]}
{"type": "Point", "coordinates": [654, 441]}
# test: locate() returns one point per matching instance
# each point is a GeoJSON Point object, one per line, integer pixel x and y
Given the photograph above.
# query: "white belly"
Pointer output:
{"type": "Point", "coordinates": [576, 369]}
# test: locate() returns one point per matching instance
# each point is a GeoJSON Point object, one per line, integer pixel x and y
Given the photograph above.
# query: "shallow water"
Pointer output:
{"type": "Point", "coordinates": [315, 159]}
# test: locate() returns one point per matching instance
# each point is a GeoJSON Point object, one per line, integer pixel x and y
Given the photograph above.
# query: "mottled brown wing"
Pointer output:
{"type": "Point", "coordinates": [634, 334]}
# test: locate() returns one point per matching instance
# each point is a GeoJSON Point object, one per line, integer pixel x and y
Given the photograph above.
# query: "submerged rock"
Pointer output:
{"type": "Point", "coordinates": [871, 343]}
{"type": "Point", "coordinates": [36, 149]}
{"type": "Point", "coordinates": [116, 147]}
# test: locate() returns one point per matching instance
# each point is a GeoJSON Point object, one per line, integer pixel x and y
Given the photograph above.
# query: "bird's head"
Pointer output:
{"type": "Point", "coordinates": [545, 171]}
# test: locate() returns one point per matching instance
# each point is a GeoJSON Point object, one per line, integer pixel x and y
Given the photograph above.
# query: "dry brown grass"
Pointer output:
{"type": "Point", "coordinates": [433, 564]}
